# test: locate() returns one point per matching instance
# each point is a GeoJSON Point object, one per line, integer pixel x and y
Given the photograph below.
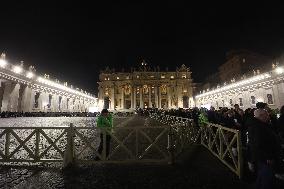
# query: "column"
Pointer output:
{"type": "Point", "coordinates": [1, 94]}
{"type": "Point", "coordinates": [32, 100]}
{"type": "Point", "coordinates": [112, 98]}
{"type": "Point", "coordinates": [280, 89]}
{"type": "Point", "coordinates": [134, 98]}
{"type": "Point", "coordinates": [10, 97]}
{"type": "Point", "coordinates": [156, 97]}
{"type": "Point", "coordinates": [159, 99]}
{"type": "Point", "coordinates": [179, 96]}
{"type": "Point", "coordinates": [66, 102]}
{"type": "Point", "coordinates": [122, 98]}
{"type": "Point", "coordinates": [70, 104]}
{"type": "Point", "coordinates": [150, 94]}
{"type": "Point", "coordinates": [25, 99]}
{"type": "Point", "coordinates": [169, 97]}
{"type": "Point", "coordinates": [141, 100]}
{"type": "Point", "coordinates": [76, 105]}
{"type": "Point", "coordinates": [43, 101]}
{"type": "Point", "coordinates": [54, 103]}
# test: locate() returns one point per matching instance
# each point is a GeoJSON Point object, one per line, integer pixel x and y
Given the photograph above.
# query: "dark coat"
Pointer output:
{"type": "Point", "coordinates": [263, 143]}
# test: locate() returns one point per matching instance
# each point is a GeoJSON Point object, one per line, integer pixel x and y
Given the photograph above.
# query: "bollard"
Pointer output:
{"type": "Point", "coordinates": [69, 155]}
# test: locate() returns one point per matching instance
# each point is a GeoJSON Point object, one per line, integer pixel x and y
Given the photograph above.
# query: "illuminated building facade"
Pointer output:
{"type": "Point", "coordinates": [23, 91]}
{"type": "Point", "coordinates": [265, 87]}
{"type": "Point", "coordinates": [146, 87]}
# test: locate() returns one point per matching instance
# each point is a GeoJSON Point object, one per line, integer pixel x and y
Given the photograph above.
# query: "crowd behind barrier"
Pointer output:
{"type": "Point", "coordinates": [234, 118]}
{"type": "Point", "coordinates": [7, 114]}
{"type": "Point", "coordinates": [238, 119]}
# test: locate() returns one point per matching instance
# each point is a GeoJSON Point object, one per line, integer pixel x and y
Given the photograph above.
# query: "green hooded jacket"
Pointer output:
{"type": "Point", "coordinates": [105, 122]}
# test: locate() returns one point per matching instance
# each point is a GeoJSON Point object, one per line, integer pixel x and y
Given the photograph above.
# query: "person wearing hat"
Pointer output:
{"type": "Point", "coordinates": [105, 121]}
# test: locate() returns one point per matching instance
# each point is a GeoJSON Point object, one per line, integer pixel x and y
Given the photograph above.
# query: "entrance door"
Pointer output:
{"type": "Point", "coordinates": [127, 104]}
{"type": "Point", "coordinates": [185, 100]}
{"type": "Point", "coordinates": [106, 103]}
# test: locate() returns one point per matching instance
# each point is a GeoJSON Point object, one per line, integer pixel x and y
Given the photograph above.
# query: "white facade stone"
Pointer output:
{"type": "Point", "coordinates": [267, 87]}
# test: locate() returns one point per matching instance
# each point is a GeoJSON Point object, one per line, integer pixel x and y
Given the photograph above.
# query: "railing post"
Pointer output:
{"type": "Point", "coordinates": [104, 144]}
{"type": "Point", "coordinates": [69, 152]}
{"type": "Point", "coordinates": [171, 147]}
{"type": "Point", "coordinates": [37, 145]}
{"type": "Point", "coordinates": [7, 143]}
{"type": "Point", "coordinates": [137, 141]}
{"type": "Point", "coordinates": [221, 143]}
{"type": "Point", "coordinates": [240, 155]}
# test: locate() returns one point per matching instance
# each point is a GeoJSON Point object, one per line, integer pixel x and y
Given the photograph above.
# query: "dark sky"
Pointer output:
{"type": "Point", "coordinates": [73, 41]}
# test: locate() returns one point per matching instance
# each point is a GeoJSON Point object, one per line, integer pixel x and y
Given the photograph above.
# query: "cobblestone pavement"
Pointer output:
{"type": "Point", "coordinates": [202, 170]}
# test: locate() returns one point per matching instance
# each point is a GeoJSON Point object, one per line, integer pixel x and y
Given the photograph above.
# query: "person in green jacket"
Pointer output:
{"type": "Point", "coordinates": [105, 121]}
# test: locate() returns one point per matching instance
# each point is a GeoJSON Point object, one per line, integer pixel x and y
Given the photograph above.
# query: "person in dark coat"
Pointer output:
{"type": "Point", "coordinates": [264, 148]}
{"type": "Point", "coordinates": [280, 124]}
{"type": "Point", "coordinates": [211, 114]}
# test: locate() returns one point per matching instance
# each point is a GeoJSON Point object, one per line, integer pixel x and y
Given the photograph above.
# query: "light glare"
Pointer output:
{"type": "Point", "coordinates": [30, 75]}
{"type": "Point", "coordinates": [17, 69]}
{"type": "Point", "coordinates": [279, 70]}
{"type": "Point", "coordinates": [3, 63]}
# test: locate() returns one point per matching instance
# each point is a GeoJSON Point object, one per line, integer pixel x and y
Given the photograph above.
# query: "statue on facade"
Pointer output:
{"type": "Point", "coordinates": [32, 69]}
{"type": "Point", "coordinates": [127, 90]}
{"type": "Point", "coordinates": [3, 56]}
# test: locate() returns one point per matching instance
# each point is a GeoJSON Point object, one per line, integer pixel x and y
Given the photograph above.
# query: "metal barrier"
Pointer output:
{"type": "Point", "coordinates": [129, 144]}
{"type": "Point", "coordinates": [224, 143]}
{"type": "Point", "coordinates": [80, 144]}
{"type": "Point", "coordinates": [32, 144]}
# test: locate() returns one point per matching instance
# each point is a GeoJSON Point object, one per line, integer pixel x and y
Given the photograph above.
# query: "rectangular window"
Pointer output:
{"type": "Point", "coordinates": [241, 102]}
{"type": "Point", "coordinates": [252, 99]}
{"type": "Point", "coordinates": [269, 99]}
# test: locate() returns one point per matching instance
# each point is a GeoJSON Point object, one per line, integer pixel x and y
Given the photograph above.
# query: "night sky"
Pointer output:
{"type": "Point", "coordinates": [72, 42]}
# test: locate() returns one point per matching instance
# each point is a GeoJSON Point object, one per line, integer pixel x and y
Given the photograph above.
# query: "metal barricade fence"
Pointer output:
{"type": "Point", "coordinates": [224, 143]}
{"type": "Point", "coordinates": [129, 144]}
{"type": "Point", "coordinates": [80, 144]}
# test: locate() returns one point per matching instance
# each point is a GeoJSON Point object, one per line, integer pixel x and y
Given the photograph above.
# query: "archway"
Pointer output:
{"type": "Point", "coordinates": [185, 100]}
{"type": "Point", "coordinates": [106, 102]}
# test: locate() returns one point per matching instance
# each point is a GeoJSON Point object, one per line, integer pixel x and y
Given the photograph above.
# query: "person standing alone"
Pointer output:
{"type": "Point", "coordinates": [105, 122]}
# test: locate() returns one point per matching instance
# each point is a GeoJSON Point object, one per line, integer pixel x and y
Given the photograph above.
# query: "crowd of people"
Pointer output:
{"type": "Point", "coordinates": [262, 135]}
{"type": "Point", "coordinates": [7, 114]}
{"type": "Point", "coordinates": [261, 128]}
